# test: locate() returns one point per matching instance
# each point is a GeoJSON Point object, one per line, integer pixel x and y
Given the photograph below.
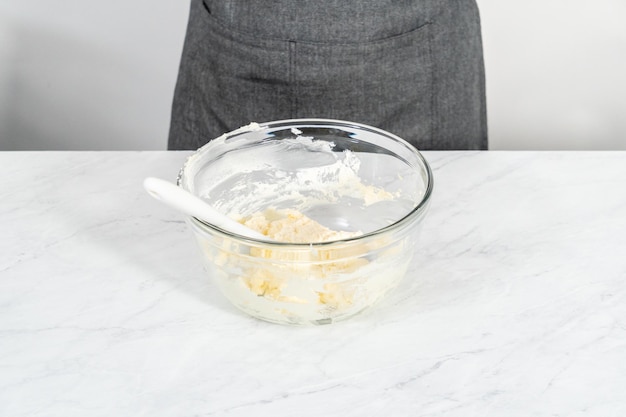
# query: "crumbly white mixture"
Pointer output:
{"type": "Point", "coordinates": [306, 285]}
{"type": "Point", "coordinates": [291, 226]}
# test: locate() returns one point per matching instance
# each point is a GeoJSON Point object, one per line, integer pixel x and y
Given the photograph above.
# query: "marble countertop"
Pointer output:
{"type": "Point", "coordinates": [514, 306]}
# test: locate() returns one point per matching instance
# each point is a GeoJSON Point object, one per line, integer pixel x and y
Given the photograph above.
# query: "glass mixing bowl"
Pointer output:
{"type": "Point", "coordinates": [354, 196]}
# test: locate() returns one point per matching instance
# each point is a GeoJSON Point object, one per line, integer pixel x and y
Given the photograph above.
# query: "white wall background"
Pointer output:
{"type": "Point", "coordinates": [556, 73]}
{"type": "Point", "coordinates": [83, 74]}
{"type": "Point", "coordinates": [79, 74]}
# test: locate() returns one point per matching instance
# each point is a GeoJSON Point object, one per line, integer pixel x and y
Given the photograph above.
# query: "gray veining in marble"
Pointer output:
{"type": "Point", "coordinates": [515, 305]}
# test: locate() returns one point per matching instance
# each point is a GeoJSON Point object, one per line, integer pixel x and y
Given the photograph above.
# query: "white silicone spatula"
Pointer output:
{"type": "Point", "coordinates": [185, 202]}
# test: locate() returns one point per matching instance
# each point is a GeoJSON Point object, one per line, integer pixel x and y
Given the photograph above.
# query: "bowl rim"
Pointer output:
{"type": "Point", "coordinates": [397, 225]}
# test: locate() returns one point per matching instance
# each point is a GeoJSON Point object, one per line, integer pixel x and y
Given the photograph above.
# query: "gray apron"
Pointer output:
{"type": "Point", "coordinates": [414, 68]}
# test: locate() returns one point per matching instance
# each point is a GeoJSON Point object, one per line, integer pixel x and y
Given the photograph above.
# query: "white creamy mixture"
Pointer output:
{"type": "Point", "coordinates": [319, 176]}
{"type": "Point", "coordinates": [291, 226]}
{"type": "Point", "coordinates": [307, 285]}
{"type": "Point", "coordinates": [301, 284]}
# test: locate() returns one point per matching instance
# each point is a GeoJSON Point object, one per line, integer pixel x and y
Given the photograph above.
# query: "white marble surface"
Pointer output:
{"type": "Point", "coordinates": [515, 305]}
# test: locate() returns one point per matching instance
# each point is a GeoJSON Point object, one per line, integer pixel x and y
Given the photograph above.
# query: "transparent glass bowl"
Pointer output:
{"type": "Point", "coordinates": [345, 176]}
